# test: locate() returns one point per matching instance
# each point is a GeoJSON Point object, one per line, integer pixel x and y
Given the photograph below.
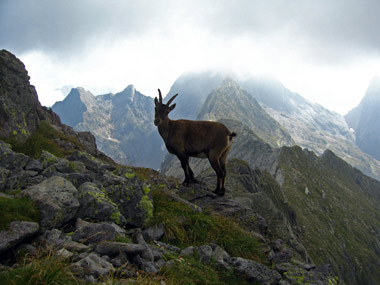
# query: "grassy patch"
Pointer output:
{"type": "Point", "coordinates": [41, 269]}
{"type": "Point", "coordinates": [126, 239]}
{"type": "Point", "coordinates": [183, 228]}
{"type": "Point", "coordinates": [44, 138]}
{"type": "Point", "coordinates": [19, 209]}
{"type": "Point", "coordinates": [191, 271]}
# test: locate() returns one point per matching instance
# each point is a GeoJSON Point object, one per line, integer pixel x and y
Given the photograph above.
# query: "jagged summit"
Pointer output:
{"type": "Point", "coordinates": [230, 101]}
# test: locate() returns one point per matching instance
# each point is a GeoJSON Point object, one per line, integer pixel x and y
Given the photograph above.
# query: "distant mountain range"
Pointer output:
{"type": "Point", "coordinates": [122, 122]}
{"type": "Point", "coordinates": [365, 120]}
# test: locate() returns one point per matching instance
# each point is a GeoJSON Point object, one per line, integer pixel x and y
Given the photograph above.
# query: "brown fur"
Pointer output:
{"type": "Point", "coordinates": [186, 138]}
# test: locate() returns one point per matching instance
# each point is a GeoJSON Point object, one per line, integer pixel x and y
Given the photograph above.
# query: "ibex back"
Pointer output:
{"type": "Point", "coordinates": [202, 139]}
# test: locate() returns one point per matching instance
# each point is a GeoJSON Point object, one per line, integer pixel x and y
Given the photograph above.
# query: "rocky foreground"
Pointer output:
{"type": "Point", "coordinates": [121, 237]}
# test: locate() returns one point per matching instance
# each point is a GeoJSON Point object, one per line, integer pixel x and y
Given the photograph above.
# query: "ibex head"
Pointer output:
{"type": "Point", "coordinates": [162, 110]}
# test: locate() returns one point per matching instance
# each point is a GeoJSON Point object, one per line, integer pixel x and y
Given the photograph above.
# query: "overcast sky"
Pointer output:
{"type": "Point", "coordinates": [327, 51]}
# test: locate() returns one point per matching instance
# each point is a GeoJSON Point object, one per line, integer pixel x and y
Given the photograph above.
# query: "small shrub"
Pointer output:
{"type": "Point", "coordinates": [44, 138]}
{"type": "Point", "coordinates": [191, 271]}
{"type": "Point", "coordinates": [18, 209]}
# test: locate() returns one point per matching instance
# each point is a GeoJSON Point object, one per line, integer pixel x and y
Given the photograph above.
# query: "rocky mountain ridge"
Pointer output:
{"type": "Point", "coordinates": [120, 123]}
{"type": "Point", "coordinates": [230, 101]}
{"type": "Point", "coordinates": [128, 211]}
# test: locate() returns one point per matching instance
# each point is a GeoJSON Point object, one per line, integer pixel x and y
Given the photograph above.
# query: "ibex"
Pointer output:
{"type": "Point", "coordinates": [202, 139]}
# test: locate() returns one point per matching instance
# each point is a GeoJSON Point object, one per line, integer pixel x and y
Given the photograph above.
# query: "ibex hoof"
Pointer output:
{"type": "Point", "coordinates": [219, 192]}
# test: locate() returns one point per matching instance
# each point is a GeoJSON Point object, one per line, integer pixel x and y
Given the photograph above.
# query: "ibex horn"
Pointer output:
{"type": "Point", "coordinates": [171, 99]}
{"type": "Point", "coordinates": [160, 97]}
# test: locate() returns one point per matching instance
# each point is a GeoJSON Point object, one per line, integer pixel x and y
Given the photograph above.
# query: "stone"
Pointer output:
{"type": "Point", "coordinates": [96, 205]}
{"type": "Point", "coordinates": [28, 249]}
{"type": "Point", "coordinates": [18, 231]}
{"type": "Point", "coordinates": [188, 251]}
{"type": "Point", "coordinates": [168, 247]}
{"type": "Point", "coordinates": [120, 260]}
{"type": "Point", "coordinates": [155, 232]}
{"type": "Point", "coordinates": [11, 160]}
{"type": "Point", "coordinates": [113, 249]}
{"type": "Point", "coordinates": [55, 198]}
{"type": "Point", "coordinates": [278, 253]}
{"type": "Point", "coordinates": [93, 265]}
{"type": "Point", "coordinates": [89, 233]}
{"type": "Point", "coordinates": [133, 198]}
{"type": "Point", "coordinates": [138, 238]}
{"type": "Point", "coordinates": [78, 178]}
{"type": "Point", "coordinates": [64, 253]}
{"type": "Point", "coordinates": [34, 165]}
{"type": "Point", "coordinates": [76, 246]}
{"type": "Point", "coordinates": [253, 271]}
{"type": "Point", "coordinates": [220, 256]}
{"type": "Point", "coordinates": [205, 252]}
{"type": "Point", "coordinates": [4, 174]}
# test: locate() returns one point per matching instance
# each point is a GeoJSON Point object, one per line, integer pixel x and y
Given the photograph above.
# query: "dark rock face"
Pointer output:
{"type": "Point", "coordinates": [20, 110]}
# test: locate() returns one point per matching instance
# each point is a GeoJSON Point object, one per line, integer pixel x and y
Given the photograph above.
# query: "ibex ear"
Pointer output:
{"type": "Point", "coordinates": [155, 101]}
{"type": "Point", "coordinates": [171, 107]}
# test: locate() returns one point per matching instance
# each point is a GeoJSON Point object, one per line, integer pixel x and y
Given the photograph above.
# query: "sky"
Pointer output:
{"type": "Point", "coordinates": [327, 51]}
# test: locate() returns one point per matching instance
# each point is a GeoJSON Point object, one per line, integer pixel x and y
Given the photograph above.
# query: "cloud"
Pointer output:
{"type": "Point", "coordinates": [106, 45]}
{"type": "Point", "coordinates": [323, 29]}
{"type": "Point", "coordinates": [70, 25]}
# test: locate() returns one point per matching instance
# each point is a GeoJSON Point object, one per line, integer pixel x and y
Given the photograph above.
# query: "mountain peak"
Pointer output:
{"type": "Point", "coordinates": [373, 91]}
{"type": "Point", "coordinates": [229, 82]}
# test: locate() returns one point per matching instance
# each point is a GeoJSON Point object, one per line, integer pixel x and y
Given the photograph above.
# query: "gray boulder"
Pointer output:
{"type": "Point", "coordinates": [253, 271]}
{"type": "Point", "coordinates": [138, 238]}
{"type": "Point", "coordinates": [12, 160]}
{"type": "Point", "coordinates": [205, 253]}
{"type": "Point", "coordinates": [18, 231]}
{"type": "Point", "coordinates": [89, 233]}
{"type": "Point", "coordinates": [97, 206]}
{"type": "Point", "coordinates": [153, 233]}
{"type": "Point", "coordinates": [93, 265]}
{"type": "Point", "coordinates": [113, 249]}
{"type": "Point", "coordinates": [55, 198]}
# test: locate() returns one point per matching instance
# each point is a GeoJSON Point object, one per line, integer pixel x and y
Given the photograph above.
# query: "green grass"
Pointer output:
{"type": "Point", "coordinates": [191, 271]}
{"type": "Point", "coordinates": [41, 269]}
{"type": "Point", "coordinates": [18, 209]}
{"type": "Point", "coordinates": [44, 138]}
{"type": "Point", "coordinates": [183, 228]}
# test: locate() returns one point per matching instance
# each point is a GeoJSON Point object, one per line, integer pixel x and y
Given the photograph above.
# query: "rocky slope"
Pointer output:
{"type": "Point", "coordinates": [128, 211]}
{"type": "Point", "coordinates": [120, 123]}
{"type": "Point", "coordinates": [310, 125]}
{"type": "Point", "coordinates": [328, 210]}
{"type": "Point", "coordinates": [230, 101]}
{"type": "Point", "coordinates": [364, 119]}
